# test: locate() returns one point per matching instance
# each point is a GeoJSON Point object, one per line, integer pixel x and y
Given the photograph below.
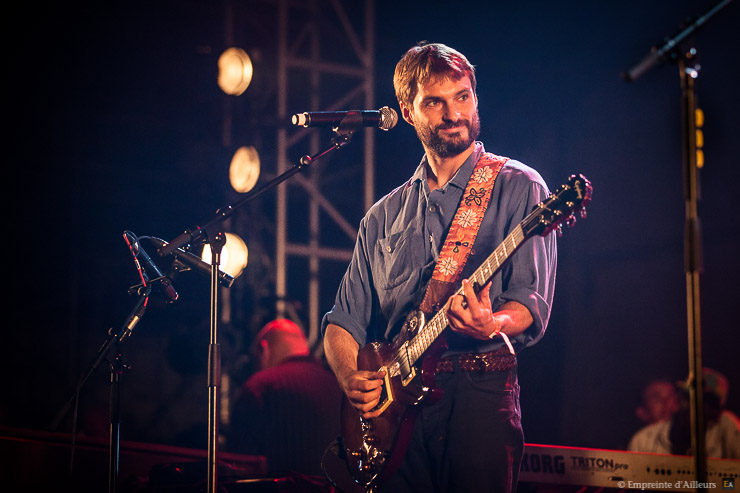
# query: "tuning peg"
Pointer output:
{"type": "Point", "coordinates": [583, 213]}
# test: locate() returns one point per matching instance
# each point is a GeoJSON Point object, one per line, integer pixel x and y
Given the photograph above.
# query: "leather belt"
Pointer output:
{"type": "Point", "coordinates": [498, 360]}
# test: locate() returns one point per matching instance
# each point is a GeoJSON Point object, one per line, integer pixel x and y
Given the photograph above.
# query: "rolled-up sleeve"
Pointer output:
{"type": "Point", "coordinates": [353, 305]}
{"type": "Point", "coordinates": [529, 276]}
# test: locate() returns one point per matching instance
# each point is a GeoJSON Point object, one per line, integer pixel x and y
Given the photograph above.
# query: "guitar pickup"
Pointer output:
{"type": "Point", "coordinates": [407, 370]}
{"type": "Point", "coordinates": [410, 377]}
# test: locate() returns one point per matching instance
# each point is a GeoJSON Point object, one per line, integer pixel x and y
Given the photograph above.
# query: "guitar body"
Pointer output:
{"type": "Point", "coordinates": [373, 449]}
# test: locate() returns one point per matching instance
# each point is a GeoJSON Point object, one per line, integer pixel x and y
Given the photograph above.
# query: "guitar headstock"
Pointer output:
{"type": "Point", "coordinates": [560, 207]}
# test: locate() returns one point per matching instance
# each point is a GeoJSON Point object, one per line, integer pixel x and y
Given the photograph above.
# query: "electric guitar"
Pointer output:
{"type": "Point", "coordinates": [370, 450]}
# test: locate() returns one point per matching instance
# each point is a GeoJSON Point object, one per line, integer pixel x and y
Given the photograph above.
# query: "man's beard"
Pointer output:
{"type": "Point", "coordinates": [451, 145]}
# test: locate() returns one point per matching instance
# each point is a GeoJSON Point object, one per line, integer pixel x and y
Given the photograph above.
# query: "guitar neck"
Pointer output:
{"type": "Point", "coordinates": [438, 323]}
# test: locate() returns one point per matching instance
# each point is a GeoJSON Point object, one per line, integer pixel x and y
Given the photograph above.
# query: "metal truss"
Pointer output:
{"type": "Point", "coordinates": [325, 62]}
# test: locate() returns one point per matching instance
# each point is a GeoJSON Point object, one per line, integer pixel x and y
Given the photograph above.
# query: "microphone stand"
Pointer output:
{"type": "Point", "coordinates": [116, 369]}
{"type": "Point", "coordinates": [203, 235]}
{"type": "Point", "coordinates": [669, 50]}
{"type": "Point", "coordinates": [688, 72]}
{"type": "Point", "coordinates": [214, 361]}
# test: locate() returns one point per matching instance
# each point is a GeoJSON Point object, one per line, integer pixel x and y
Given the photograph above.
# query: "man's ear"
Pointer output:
{"type": "Point", "coordinates": [406, 114]}
{"type": "Point", "coordinates": [264, 355]}
{"type": "Point", "coordinates": [643, 414]}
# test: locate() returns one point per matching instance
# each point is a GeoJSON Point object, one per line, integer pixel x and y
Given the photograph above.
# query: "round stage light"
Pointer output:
{"type": "Point", "coordinates": [234, 255]}
{"type": "Point", "coordinates": [244, 169]}
{"type": "Point", "coordinates": [234, 71]}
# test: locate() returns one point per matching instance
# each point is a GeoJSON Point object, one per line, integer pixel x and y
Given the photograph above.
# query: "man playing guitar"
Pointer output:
{"type": "Point", "coordinates": [470, 438]}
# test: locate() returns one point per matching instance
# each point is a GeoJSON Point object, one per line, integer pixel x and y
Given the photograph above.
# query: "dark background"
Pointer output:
{"type": "Point", "coordinates": [115, 122]}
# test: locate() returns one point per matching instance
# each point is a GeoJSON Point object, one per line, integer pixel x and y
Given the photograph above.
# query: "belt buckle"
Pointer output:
{"type": "Point", "coordinates": [481, 361]}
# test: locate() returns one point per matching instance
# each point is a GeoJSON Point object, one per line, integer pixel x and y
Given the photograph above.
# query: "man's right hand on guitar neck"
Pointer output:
{"type": "Point", "coordinates": [362, 388]}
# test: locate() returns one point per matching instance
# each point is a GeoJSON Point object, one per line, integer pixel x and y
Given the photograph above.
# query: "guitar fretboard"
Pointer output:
{"type": "Point", "coordinates": [434, 327]}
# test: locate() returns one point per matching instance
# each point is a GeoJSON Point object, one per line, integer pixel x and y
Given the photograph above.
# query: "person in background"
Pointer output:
{"type": "Point", "coordinates": [659, 402]}
{"type": "Point", "coordinates": [288, 411]}
{"type": "Point", "coordinates": [673, 436]}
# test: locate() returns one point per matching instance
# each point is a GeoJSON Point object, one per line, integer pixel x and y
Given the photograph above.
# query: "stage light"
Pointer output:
{"type": "Point", "coordinates": [245, 169]}
{"type": "Point", "coordinates": [234, 255]}
{"type": "Point", "coordinates": [234, 71]}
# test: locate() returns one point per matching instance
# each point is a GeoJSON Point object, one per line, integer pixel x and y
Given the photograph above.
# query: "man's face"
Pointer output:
{"type": "Point", "coordinates": [445, 115]}
{"type": "Point", "coordinates": [661, 401]}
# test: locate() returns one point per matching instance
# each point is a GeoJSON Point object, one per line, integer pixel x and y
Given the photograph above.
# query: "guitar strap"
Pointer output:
{"type": "Point", "coordinates": [462, 233]}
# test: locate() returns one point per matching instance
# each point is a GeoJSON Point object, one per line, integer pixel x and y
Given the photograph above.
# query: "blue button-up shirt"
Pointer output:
{"type": "Point", "coordinates": [399, 241]}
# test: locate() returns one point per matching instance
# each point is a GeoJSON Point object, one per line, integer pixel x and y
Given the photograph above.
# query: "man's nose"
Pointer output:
{"type": "Point", "coordinates": [451, 113]}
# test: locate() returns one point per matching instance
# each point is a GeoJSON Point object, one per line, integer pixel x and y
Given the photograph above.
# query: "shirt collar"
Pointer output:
{"type": "Point", "coordinates": [461, 177]}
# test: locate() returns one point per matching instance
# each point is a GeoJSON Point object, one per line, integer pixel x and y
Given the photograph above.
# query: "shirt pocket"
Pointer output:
{"type": "Point", "coordinates": [398, 259]}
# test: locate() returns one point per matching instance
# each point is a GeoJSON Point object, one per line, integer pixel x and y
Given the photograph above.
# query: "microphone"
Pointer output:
{"type": "Point", "coordinates": [168, 290]}
{"type": "Point", "coordinates": [385, 118]}
{"type": "Point", "coordinates": [193, 261]}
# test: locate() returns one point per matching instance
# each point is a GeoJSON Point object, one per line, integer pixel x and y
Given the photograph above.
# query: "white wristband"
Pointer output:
{"type": "Point", "coordinates": [496, 332]}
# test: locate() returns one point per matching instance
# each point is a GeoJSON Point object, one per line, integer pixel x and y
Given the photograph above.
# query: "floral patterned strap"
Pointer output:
{"type": "Point", "coordinates": [463, 231]}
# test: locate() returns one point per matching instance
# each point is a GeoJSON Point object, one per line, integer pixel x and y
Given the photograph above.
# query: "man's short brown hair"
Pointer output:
{"type": "Point", "coordinates": [424, 62]}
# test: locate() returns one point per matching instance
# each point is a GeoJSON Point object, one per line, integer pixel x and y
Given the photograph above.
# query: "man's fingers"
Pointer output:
{"type": "Point", "coordinates": [366, 385]}
{"type": "Point", "coordinates": [363, 398]}
{"type": "Point", "coordinates": [375, 375]}
{"type": "Point", "coordinates": [364, 380]}
{"type": "Point", "coordinates": [457, 306]}
{"type": "Point", "coordinates": [365, 388]}
{"type": "Point", "coordinates": [470, 297]}
{"type": "Point", "coordinates": [483, 293]}
{"type": "Point", "coordinates": [453, 315]}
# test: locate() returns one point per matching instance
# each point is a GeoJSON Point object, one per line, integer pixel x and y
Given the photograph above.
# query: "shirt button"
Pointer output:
{"type": "Point", "coordinates": [389, 249]}
{"type": "Point", "coordinates": [432, 208]}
